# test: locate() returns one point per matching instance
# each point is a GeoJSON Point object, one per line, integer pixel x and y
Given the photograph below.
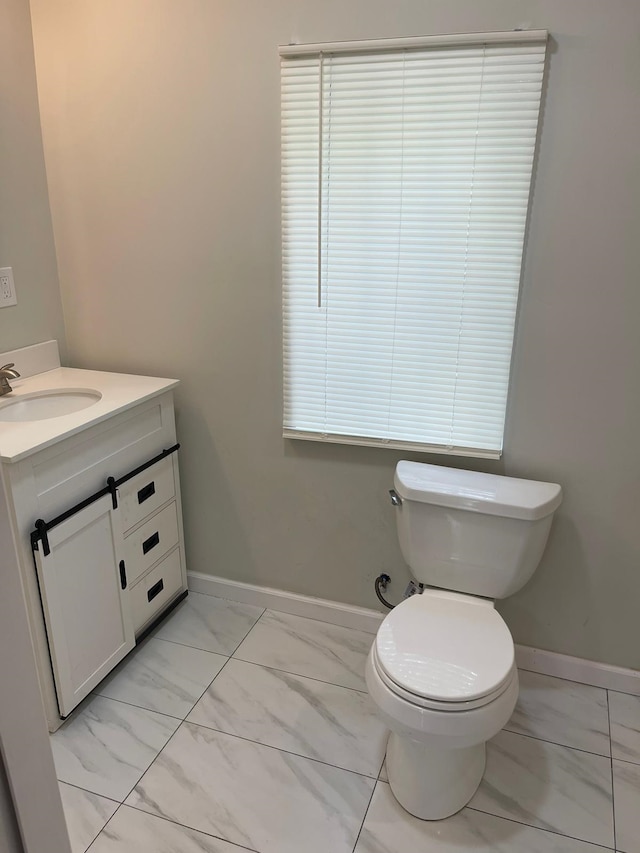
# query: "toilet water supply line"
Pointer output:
{"type": "Point", "coordinates": [381, 583]}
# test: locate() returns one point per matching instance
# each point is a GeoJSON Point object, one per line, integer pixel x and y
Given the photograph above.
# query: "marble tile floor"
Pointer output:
{"type": "Point", "coordinates": [235, 729]}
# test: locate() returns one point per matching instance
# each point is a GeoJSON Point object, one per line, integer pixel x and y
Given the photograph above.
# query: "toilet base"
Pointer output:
{"type": "Point", "coordinates": [433, 783]}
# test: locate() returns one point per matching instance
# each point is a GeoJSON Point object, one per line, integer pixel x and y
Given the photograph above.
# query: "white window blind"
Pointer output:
{"type": "Point", "coordinates": [405, 188]}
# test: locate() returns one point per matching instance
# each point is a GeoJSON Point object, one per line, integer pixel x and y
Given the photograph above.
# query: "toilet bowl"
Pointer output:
{"type": "Point", "coordinates": [442, 671]}
{"type": "Point", "coordinates": [443, 677]}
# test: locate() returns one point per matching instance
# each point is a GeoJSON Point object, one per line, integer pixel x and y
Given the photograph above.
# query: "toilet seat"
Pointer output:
{"type": "Point", "coordinates": [434, 704]}
{"type": "Point", "coordinates": [446, 651]}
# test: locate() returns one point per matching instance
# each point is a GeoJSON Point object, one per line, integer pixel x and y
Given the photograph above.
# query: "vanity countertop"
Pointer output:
{"type": "Point", "coordinates": [120, 391]}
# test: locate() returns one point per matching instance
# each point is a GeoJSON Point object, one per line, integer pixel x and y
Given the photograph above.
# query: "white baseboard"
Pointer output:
{"type": "Point", "coordinates": [578, 669]}
{"type": "Point", "coordinates": [349, 616]}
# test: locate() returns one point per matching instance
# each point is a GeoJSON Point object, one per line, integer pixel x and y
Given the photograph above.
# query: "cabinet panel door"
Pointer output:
{"type": "Point", "coordinates": [86, 610]}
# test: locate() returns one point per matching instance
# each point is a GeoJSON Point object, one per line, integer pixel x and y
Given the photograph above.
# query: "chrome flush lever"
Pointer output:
{"type": "Point", "coordinates": [396, 500]}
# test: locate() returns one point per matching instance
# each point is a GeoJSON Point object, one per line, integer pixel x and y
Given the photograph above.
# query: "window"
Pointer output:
{"type": "Point", "coordinates": [406, 169]}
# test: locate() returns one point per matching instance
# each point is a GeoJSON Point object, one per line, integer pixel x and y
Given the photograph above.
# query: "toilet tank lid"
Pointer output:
{"type": "Point", "coordinates": [493, 494]}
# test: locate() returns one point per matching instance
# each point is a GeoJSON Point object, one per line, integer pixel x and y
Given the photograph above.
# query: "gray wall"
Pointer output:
{"type": "Point", "coordinates": [26, 237]}
{"type": "Point", "coordinates": [161, 127]}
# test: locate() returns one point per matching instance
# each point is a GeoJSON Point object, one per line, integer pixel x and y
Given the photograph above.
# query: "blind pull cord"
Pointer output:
{"type": "Point", "coordinates": [320, 134]}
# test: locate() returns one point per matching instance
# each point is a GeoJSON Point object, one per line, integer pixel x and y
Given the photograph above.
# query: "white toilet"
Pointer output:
{"type": "Point", "coordinates": [442, 669]}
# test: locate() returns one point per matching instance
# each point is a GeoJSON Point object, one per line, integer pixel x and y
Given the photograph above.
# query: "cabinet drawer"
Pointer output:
{"type": "Point", "coordinates": [146, 545]}
{"type": "Point", "coordinates": [156, 589]}
{"type": "Point", "coordinates": [144, 493]}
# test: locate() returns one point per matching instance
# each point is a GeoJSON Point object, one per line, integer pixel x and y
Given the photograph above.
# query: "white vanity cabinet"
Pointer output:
{"type": "Point", "coordinates": [115, 561]}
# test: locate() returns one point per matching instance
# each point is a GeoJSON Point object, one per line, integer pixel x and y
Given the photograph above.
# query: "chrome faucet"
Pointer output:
{"type": "Point", "coordinates": [7, 373]}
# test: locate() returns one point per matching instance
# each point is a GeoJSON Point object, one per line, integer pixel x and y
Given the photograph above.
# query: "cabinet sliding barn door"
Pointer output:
{"type": "Point", "coordinates": [85, 602]}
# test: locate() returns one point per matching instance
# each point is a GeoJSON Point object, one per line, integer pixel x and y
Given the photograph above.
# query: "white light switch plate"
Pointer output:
{"type": "Point", "coordinates": [7, 288]}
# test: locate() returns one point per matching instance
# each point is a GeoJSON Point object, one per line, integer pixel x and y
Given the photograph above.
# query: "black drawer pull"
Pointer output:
{"type": "Point", "coordinates": [156, 589]}
{"type": "Point", "coordinates": [150, 543]}
{"type": "Point", "coordinates": [146, 492]}
{"type": "Point", "coordinates": [123, 575]}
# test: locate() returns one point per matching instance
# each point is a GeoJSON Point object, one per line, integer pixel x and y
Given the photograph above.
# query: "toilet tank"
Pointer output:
{"type": "Point", "coordinates": [482, 534]}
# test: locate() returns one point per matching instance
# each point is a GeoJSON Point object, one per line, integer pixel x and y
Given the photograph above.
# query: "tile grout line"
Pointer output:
{"type": "Point", "coordinates": [555, 743]}
{"type": "Point", "coordinates": [384, 758]}
{"type": "Point", "coordinates": [625, 761]}
{"type": "Point", "coordinates": [184, 719]}
{"type": "Point", "coordinates": [288, 613]}
{"type": "Point", "coordinates": [140, 707]}
{"type": "Point", "coordinates": [229, 657]}
{"type": "Point", "coordinates": [324, 621]}
{"type": "Point", "coordinates": [152, 762]}
{"type": "Point", "coordinates": [298, 675]}
{"type": "Point", "coordinates": [581, 683]}
{"type": "Point", "coordinates": [570, 680]}
{"type": "Point", "coordinates": [276, 613]}
{"type": "Point", "coordinates": [199, 648]}
{"type": "Point", "coordinates": [264, 610]}
{"type": "Point", "coordinates": [538, 828]}
{"type": "Point", "coordinates": [116, 810]}
{"type": "Point", "coordinates": [93, 840]}
{"type": "Point", "coordinates": [613, 799]}
{"type": "Point", "coordinates": [86, 790]}
{"type": "Point", "coordinates": [189, 646]}
{"type": "Point", "coordinates": [184, 645]}
{"type": "Point", "coordinates": [174, 823]}
{"type": "Point", "coordinates": [364, 817]}
{"type": "Point", "coordinates": [280, 749]}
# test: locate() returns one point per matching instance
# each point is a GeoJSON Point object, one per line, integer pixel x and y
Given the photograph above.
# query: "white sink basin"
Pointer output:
{"type": "Point", "coordinates": [40, 405]}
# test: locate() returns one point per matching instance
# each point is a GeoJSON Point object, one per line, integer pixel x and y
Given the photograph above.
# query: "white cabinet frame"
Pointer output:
{"type": "Point", "coordinates": [46, 484]}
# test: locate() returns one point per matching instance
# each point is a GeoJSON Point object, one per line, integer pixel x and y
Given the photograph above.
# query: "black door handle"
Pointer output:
{"type": "Point", "coordinates": [123, 575]}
